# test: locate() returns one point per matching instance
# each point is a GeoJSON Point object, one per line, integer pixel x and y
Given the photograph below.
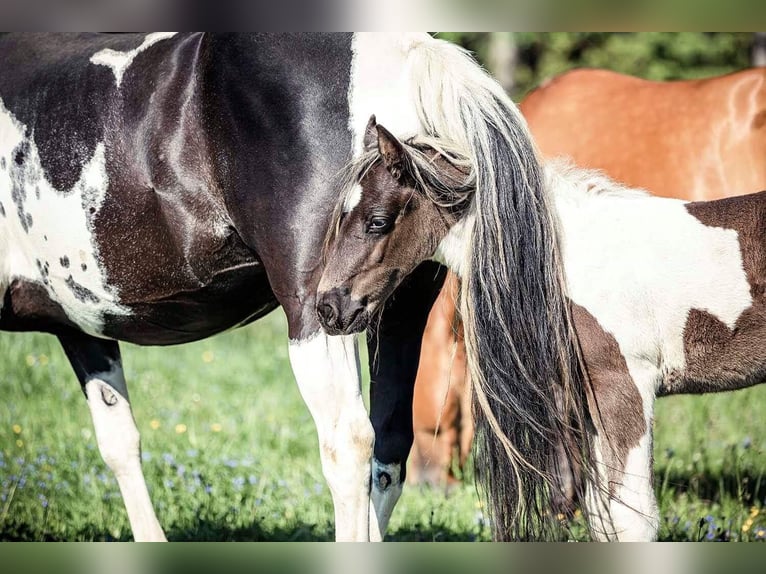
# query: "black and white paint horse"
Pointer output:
{"type": "Point", "coordinates": [161, 188]}
{"type": "Point", "coordinates": [582, 301]}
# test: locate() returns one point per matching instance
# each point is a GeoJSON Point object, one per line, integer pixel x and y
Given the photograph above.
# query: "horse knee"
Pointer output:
{"type": "Point", "coordinates": [347, 448]}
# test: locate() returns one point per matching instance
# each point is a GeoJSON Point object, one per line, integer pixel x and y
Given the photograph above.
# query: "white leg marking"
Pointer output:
{"type": "Point", "coordinates": [385, 493]}
{"type": "Point", "coordinates": [327, 371]}
{"type": "Point", "coordinates": [633, 514]}
{"type": "Point", "coordinates": [118, 442]}
{"type": "Point", "coordinates": [634, 510]}
{"type": "Point", "coordinates": [119, 61]}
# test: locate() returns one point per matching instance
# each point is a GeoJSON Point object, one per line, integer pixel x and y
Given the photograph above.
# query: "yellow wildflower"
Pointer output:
{"type": "Point", "coordinates": [31, 360]}
{"type": "Point", "coordinates": [208, 356]}
{"type": "Point", "coordinates": [19, 443]}
{"type": "Point", "coordinates": [43, 360]}
{"type": "Point", "coordinates": [17, 429]}
{"type": "Point", "coordinates": [155, 424]}
{"type": "Point", "coordinates": [216, 427]}
{"type": "Point", "coordinates": [180, 428]}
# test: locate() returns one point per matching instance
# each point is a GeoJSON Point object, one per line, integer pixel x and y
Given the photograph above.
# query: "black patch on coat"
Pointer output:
{"type": "Point", "coordinates": [80, 292]}
{"type": "Point", "coordinates": [64, 262]}
{"type": "Point", "coordinates": [52, 88]}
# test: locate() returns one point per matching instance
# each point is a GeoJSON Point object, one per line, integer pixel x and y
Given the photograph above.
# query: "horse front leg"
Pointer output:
{"type": "Point", "coordinates": [394, 350]}
{"type": "Point", "coordinates": [98, 366]}
{"type": "Point", "coordinates": [327, 372]}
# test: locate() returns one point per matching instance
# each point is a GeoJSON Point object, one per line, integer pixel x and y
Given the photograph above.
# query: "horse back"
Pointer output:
{"type": "Point", "coordinates": [692, 139]}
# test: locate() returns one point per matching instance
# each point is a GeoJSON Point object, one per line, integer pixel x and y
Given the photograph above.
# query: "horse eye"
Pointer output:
{"type": "Point", "coordinates": [378, 224]}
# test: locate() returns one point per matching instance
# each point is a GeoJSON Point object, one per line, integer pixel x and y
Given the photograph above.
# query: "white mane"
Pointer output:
{"type": "Point", "coordinates": [565, 179]}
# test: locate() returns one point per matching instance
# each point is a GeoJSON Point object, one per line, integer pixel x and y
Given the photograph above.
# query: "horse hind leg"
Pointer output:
{"type": "Point", "coordinates": [98, 366]}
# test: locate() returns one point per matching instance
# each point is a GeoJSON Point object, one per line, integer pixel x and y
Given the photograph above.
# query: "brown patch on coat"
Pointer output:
{"type": "Point", "coordinates": [620, 407]}
{"type": "Point", "coordinates": [719, 358]}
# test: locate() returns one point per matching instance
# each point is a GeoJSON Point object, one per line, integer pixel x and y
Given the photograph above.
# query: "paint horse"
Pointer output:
{"type": "Point", "coordinates": [694, 140]}
{"type": "Point", "coordinates": [162, 188]}
{"type": "Point", "coordinates": [582, 300]}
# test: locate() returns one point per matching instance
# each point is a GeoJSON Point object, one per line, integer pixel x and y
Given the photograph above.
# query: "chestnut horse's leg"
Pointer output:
{"type": "Point", "coordinates": [98, 366]}
{"type": "Point", "coordinates": [394, 350]}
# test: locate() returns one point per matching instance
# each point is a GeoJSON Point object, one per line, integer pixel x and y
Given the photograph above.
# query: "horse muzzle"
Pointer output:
{"type": "Point", "coordinates": [341, 314]}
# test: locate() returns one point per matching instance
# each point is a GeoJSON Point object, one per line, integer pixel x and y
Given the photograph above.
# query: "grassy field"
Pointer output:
{"type": "Point", "coordinates": [230, 452]}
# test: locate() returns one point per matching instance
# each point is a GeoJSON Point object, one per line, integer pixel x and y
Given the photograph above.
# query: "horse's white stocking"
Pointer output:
{"type": "Point", "coordinates": [118, 442]}
{"type": "Point", "coordinates": [632, 515]}
{"type": "Point", "coordinates": [385, 493]}
{"type": "Point", "coordinates": [327, 371]}
{"type": "Point", "coordinates": [633, 508]}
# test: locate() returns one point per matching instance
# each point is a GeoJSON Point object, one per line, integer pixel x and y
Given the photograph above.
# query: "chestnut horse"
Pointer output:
{"type": "Point", "coordinates": [695, 140]}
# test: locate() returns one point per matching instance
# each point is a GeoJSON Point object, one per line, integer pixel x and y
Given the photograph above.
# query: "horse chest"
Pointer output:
{"type": "Point", "coordinates": [46, 234]}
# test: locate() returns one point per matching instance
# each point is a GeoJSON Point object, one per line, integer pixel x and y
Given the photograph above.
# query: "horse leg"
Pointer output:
{"type": "Point", "coordinates": [327, 371]}
{"type": "Point", "coordinates": [625, 508]}
{"type": "Point", "coordinates": [438, 405]}
{"type": "Point", "coordinates": [394, 350]}
{"type": "Point", "coordinates": [98, 366]}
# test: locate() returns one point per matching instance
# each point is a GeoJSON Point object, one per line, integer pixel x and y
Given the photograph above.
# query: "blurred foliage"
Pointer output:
{"type": "Point", "coordinates": [651, 55]}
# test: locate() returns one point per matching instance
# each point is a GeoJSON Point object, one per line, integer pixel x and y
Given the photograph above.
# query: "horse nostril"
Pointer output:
{"type": "Point", "coordinates": [328, 313]}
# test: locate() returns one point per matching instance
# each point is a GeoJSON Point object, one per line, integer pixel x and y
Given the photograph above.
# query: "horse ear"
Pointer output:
{"type": "Point", "coordinates": [370, 133]}
{"type": "Point", "coordinates": [392, 151]}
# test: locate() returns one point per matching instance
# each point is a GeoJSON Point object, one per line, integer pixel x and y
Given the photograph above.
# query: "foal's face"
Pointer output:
{"type": "Point", "coordinates": [393, 228]}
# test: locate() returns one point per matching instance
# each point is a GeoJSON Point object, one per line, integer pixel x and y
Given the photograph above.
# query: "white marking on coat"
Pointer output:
{"type": "Point", "coordinates": [634, 513]}
{"type": "Point", "coordinates": [386, 490]}
{"type": "Point", "coordinates": [380, 84]}
{"type": "Point", "coordinates": [120, 61]}
{"type": "Point", "coordinates": [639, 264]}
{"type": "Point", "coordinates": [327, 371]}
{"type": "Point", "coordinates": [119, 445]}
{"type": "Point", "coordinates": [42, 225]}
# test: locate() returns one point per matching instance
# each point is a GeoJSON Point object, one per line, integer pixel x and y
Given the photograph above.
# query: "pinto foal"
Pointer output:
{"type": "Point", "coordinates": [666, 297]}
{"type": "Point", "coordinates": [692, 139]}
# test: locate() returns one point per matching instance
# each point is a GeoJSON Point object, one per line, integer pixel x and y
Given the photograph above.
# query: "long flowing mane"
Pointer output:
{"type": "Point", "coordinates": [529, 386]}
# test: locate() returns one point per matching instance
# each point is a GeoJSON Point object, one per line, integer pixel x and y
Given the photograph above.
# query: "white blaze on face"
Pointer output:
{"type": "Point", "coordinates": [46, 235]}
{"type": "Point", "coordinates": [119, 61]}
{"type": "Point", "coordinates": [380, 85]}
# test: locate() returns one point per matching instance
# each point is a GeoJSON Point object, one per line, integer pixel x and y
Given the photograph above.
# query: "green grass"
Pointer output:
{"type": "Point", "coordinates": [230, 452]}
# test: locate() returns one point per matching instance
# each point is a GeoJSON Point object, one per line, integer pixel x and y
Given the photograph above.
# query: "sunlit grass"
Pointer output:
{"type": "Point", "coordinates": [230, 452]}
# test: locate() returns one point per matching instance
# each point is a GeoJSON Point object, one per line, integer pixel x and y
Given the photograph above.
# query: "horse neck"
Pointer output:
{"type": "Point", "coordinates": [452, 250]}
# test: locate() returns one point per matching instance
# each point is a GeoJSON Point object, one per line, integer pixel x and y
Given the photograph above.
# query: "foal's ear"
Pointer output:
{"type": "Point", "coordinates": [392, 151]}
{"type": "Point", "coordinates": [370, 133]}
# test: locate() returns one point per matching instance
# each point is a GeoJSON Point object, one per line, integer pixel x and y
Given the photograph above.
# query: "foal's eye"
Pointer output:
{"type": "Point", "coordinates": [378, 224]}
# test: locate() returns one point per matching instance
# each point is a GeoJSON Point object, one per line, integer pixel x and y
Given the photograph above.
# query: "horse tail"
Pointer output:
{"type": "Point", "coordinates": [529, 386]}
